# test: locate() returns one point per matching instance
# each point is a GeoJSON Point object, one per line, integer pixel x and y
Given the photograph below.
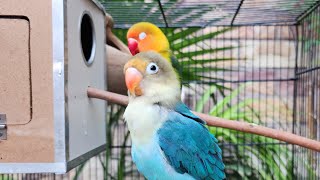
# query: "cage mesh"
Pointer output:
{"type": "Point", "coordinates": [256, 77]}
{"type": "Point", "coordinates": [307, 94]}
{"type": "Point", "coordinates": [260, 64]}
{"type": "Point", "coordinates": [191, 13]}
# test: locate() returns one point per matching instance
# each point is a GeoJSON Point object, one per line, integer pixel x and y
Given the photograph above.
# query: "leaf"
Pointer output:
{"type": "Point", "coordinates": [204, 61]}
{"type": "Point", "coordinates": [197, 39]}
{"type": "Point", "coordinates": [266, 161]}
{"type": "Point", "coordinates": [182, 34]}
{"type": "Point", "coordinates": [241, 170]}
{"type": "Point", "coordinates": [79, 170]}
{"type": "Point", "coordinates": [121, 163]}
{"type": "Point", "coordinates": [239, 106]}
{"type": "Point", "coordinates": [205, 69]}
{"type": "Point", "coordinates": [204, 51]}
{"type": "Point", "coordinates": [205, 98]}
{"type": "Point", "coordinates": [212, 79]}
{"type": "Point", "coordinates": [218, 108]}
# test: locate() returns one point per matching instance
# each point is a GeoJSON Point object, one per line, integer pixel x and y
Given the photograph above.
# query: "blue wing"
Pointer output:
{"type": "Point", "coordinates": [185, 111]}
{"type": "Point", "coordinates": [189, 147]}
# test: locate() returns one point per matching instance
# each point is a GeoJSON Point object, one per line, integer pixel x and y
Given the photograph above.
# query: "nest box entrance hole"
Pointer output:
{"type": "Point", "coordinates": [87, 38]}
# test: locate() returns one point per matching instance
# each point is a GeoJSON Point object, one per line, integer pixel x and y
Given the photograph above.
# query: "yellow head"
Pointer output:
{"type": "Point", "coordinates": [145, 36]}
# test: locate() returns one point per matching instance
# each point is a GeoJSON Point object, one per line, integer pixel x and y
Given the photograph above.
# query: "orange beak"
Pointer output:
{"type": "Point", "coordinates": [133, 46]}
{"type": "Point", "coordinates": [133, 78]}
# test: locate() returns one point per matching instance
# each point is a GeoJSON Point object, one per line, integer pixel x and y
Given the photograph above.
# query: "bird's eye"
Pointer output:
{"type": "Point", "coordinates": [152, 68]}
{"type": "Point", "coordinates": [142, 35]}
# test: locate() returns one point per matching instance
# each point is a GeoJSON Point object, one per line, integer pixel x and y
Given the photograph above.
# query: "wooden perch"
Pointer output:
{"type": "Point", "coordinates": [115, 62]}
{"type": "Point", "coordinates": [118, 55]}
{"type": "Point", "coordinates": [220, 122]}
{"type": "Point", "coordinates": [112, 39]}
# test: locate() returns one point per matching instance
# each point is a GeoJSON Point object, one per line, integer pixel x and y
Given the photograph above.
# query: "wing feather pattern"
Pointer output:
{"type": "Point", "coordinates": [189, 147]}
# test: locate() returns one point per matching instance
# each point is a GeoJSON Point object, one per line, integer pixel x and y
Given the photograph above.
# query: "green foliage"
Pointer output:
{"type": "Point", "coordinates": [6, 177]}
{"type": "Point", "coordinates": [176, 46]}
{"type": "Point", "coordinates": [115, 115]}
{"type": "Point", "coordinates": [246, 156]}
{"type": "Point", "coordinates": [79, 170]}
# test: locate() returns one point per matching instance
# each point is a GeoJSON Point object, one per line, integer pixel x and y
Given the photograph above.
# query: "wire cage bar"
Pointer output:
{"type": "Point", "coordinates": [191, 13]}
{"type": "Point", "coordinates": [307, 94]}
{"type": "Point", "coordinates": [258, 61]}
{"type": "Point", "coordinates": [256, 78]}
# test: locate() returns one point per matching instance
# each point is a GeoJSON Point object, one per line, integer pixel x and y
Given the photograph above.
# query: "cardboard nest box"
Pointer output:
{"type": "Point", "coordinates": [51, 51]}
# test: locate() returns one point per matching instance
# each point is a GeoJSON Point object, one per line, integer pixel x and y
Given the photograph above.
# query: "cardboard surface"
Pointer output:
{"type": "Point", "coordinates": [34, 141]}
{"type": "Point", "coordinates": [15, 84]}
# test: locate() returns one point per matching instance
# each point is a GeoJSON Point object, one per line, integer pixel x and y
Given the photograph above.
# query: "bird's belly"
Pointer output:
{"type": "Point", "coordinates": [152, 163]}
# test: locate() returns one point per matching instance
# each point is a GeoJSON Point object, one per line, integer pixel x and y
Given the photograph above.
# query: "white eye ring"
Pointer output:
{"type": "Point", "coordinates": [152, 68]}
{"type": "Point", "coordinates": [142, 35]}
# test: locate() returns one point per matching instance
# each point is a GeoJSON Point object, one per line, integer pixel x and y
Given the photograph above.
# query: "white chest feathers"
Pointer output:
{"type": "Point", "coordinates": [143, 120]}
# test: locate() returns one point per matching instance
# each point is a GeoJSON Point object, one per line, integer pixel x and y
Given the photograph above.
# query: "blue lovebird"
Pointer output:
{"type": "Point", "coordinates": [168, 140]}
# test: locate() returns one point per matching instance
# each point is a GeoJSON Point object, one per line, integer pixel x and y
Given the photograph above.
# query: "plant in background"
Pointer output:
{"type": "Point", "coordinates": [115, 114]}
{"type": "Point", "coordinates": [246, 156]}
{"type": "Point", "coordinates": [6, 177]}
{"type": "Point", "coordinates": [184, 43]}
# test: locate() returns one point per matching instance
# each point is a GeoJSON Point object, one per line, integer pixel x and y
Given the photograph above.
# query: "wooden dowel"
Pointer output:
{"type": "Point", "coordinates": [111, 38]}
{"type": "Point", "coordinates": [260, 130]}
{"type": "Point", "coordinates": [108, 96]}
{"type": "Point", "coordinates": [223, 123]}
